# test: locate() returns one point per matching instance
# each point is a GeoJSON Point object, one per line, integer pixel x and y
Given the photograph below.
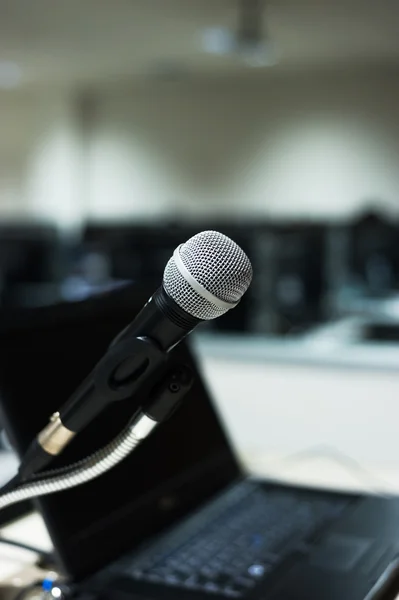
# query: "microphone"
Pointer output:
{"type": "Point", "coordinates": [205, 277]}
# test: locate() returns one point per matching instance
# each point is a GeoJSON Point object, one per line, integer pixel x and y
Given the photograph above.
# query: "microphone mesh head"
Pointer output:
{"type": "Point", "coordinates": [216, 263]}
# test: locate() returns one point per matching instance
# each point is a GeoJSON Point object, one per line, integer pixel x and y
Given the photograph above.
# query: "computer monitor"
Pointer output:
{"type": "Point", "coordinates": [30, 259]}
{"type": "Point", "coordinates": [374, 254]}
{"type": "Point", "coordinates": [299, 276]}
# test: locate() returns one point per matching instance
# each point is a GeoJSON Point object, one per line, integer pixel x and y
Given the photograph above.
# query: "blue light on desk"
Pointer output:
{"type": "Point", "coordinates": [47, 585]}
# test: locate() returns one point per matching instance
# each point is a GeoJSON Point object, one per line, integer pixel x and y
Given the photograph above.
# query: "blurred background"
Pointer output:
{"type": "Point", "coordinates": [128, 126]}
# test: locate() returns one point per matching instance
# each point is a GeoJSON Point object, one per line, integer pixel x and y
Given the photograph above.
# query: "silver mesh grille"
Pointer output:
{"type": "Point", "coordinates": [216, 263]}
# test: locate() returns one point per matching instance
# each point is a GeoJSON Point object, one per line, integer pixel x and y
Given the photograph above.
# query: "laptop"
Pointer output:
{"type": "Point", "coordinates": [180, 518]}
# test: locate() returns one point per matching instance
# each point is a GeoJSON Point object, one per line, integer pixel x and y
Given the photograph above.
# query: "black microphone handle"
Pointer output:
{"type": "Point", "coordinates": [162, 320]}
{"type": "Point", "coordinates": [134, 356]}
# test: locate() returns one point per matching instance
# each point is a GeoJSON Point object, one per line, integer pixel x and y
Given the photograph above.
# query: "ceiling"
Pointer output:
{"type": "Point", "coordinates": [77, 42]}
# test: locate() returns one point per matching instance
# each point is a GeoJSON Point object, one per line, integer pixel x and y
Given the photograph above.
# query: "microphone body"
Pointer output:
{"type": "Point", "coordinates": [134, 355]}
{"type": "Point", "coordinates": [205, 277]}
{"type": "Point", "coordinates": [161, 320]}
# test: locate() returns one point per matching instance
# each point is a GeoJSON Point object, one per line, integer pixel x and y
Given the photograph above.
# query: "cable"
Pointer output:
{"type": "Point", "coordinates": [85, 470]}
{"type": "Point", "coordinates": [44, 556]}
{"type": "Point", "coordinates": [21, 595]}
{"type": "Point", "coordinates": [375, 484]}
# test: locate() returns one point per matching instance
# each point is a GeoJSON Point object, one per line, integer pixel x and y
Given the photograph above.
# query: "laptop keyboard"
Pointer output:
{"type": "Point", "coordinates": [230, 547]}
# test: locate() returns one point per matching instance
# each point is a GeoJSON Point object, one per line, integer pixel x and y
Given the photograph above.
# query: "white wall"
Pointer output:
{"type": "Point", "coordinates": [17, 121]}
{"type": "Point", "coordinates": [55, 170]}
{"type": "Point", "coordinates": [41, 157]}
{"type": "Point", "coordinates": [296, 145]}
{"type": "Point", "coordinates": [292, 145]}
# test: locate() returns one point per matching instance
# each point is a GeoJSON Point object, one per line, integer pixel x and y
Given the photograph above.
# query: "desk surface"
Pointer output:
{"type": "Point", "coordinates": [29, 530]}
{"type": "Point", "coordinates": [317, 468]}
{"type": "Point", "coordinates": [338, 344]}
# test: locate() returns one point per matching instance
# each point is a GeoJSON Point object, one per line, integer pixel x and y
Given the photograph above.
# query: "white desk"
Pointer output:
{"type": "Point", "coordinates": [29, 530]}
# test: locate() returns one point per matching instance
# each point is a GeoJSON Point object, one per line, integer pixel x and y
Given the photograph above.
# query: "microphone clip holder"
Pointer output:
{"type": "Point", "coordinates": [125, 367]}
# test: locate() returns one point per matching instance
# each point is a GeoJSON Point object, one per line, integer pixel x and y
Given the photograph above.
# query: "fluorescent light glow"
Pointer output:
{"type": "Point", "coordinates": [217, 40]}
{"type": "Point", "coordinates": [56, 592]}
{"type": "Point", "coordinates": [262, 55]}
{"type": "Point", "coordinates": [253, 53]}
{"type": "Point", "coordinates": [10, 75]}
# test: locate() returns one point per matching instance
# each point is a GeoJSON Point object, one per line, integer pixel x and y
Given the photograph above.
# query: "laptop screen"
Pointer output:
{"type": "Point", "coordinates": [44, 354]}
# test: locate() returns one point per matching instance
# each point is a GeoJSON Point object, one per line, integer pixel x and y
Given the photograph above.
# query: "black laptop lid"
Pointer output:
{"type": "Point", "coordinates": [44, 354]}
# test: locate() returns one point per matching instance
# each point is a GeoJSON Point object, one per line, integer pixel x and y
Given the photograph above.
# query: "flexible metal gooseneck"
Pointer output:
{"type": "Point", "coordinates": [85, 470]}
